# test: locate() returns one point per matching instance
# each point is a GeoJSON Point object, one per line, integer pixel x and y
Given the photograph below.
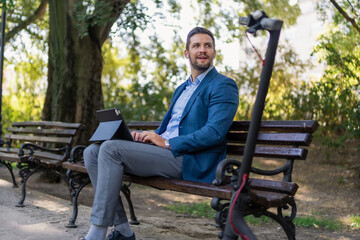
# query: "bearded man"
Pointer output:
{"type": "Point", "coordinates": [189, 143]}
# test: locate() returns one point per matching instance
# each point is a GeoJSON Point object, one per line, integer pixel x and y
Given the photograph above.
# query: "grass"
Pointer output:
{"type": "Point", "coordinates": [355, 221]}
{"type": "Point", "coordinates": [204, 209]}
{"type": "Point", "coordinates": [310, 221]}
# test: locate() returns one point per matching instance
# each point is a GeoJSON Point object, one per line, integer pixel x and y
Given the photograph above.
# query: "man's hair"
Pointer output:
{"type": "Point", "coordinates": [197, 30]}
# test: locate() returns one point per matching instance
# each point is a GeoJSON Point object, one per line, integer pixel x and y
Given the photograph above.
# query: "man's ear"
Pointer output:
{"type": "Point", "coordinates": [186, 53]}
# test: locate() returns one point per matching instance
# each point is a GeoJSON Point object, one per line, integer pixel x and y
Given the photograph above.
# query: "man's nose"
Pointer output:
{"type": "Point", "coordinates": [202, 48]}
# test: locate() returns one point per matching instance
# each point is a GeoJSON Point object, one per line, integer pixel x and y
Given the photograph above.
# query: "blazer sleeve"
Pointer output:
{"type": "Point", "coordinates": [223, 100]}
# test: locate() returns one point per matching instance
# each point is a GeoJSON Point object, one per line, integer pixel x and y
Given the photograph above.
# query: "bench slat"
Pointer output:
{"type": "Point", "coordinates": [275, 186]}
{"type": "Point", "coordinates": [271, 152]}
{"type": "Point", "coordinates": [11, 157]}
{"type": "Point", "coordinates": [63, 140]}
{"type": "Point", "coordinates": [269, 199]}
{"type": "Point", "coordinates": [79, 167]}
{"type": "Point", "coordinates": [297, 139]}
{"type": "Point", "coordinates": [9, 150]}
{"type": "Point", "coordinates": [38, 131]}
{"type": "Point", "coordinates": [305, 126]}
{"type": "Point", "coordinates": [308, 126]}
{"type": "Point", "coordinates": [198, 188]}
{"type": "Point", "coordinates": [46, 162]}
{"type": "Point", "coordinates": [48, 124]}
{"type": "Point", "coordinates": [14, 157]}
{"type": "Point", "coordinates": [148, 125]}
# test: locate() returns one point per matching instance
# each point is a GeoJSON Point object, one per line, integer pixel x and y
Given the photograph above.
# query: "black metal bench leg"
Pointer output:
{"type": "Point", "coordinates": [71, 223]}
{"type": "Point", "coordinates": [126, 191]}
{"type": "Point", "coordinates": [10, 168]}
{"type": "Point", "coordinates": [77, 181]}
{"type": "Point", "coordinates": [27, 174]}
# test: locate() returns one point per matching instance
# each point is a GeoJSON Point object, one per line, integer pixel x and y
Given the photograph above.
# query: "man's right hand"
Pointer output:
{"type": "Point", "coordinates": [136, 135]}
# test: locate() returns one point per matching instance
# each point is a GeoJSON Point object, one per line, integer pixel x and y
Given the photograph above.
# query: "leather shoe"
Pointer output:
{"type": "Point", "coordinates": [116, 235]}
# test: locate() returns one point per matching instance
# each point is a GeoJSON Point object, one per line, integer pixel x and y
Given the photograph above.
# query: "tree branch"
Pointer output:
{"type": "Point", "coordinates": [117, 8]}
{"type": "Point", "coordinates": [22, 25]}
{"type": "Point", "coordinates": [345, 15]}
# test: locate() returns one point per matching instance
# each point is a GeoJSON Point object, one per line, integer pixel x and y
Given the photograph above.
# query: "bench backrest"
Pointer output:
{"type": "Point", "coordinates": [43, 133]}
{"type": "Point", "coordinates": [276, 139]}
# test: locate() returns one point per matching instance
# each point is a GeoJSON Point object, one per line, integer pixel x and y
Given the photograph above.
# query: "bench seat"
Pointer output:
{"type": "Point", "coordinates": [264, 192]}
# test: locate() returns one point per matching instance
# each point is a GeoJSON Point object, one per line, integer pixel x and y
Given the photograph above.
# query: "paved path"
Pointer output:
{"type": "Point", "coordinates": [44, 215]}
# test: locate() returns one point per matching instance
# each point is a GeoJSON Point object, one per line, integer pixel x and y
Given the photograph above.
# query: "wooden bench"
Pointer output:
{"type": "Point", "coordinates": [277, 140]}
{"type": "Point", "coordinates": [37, 146]}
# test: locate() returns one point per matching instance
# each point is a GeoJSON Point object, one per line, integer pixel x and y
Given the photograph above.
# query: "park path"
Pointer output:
{"type": "Point", "coordinates": [45, 216]}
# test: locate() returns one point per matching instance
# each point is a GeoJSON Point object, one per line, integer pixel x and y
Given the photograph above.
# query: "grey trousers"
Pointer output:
{"type": "Point", "coordinates": [106, 165]}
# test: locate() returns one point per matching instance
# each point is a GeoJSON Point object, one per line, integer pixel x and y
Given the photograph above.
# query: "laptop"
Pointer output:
{"type": "Point", "coordinates": [112, 126]}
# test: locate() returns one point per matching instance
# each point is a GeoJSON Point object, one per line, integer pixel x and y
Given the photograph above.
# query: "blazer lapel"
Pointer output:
{"type": "Point", "coordinates": [167, 116]}
{"type": "Point", "coordinates": [208, 78]}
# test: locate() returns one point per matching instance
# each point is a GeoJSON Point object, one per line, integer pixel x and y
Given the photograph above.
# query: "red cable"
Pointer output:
{"type": "Point", "coordinates": [262, 60]}
{"type": "Point", "coordinates": [245, 176]}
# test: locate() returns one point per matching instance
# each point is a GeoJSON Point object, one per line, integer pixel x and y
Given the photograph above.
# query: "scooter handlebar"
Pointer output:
{"type": "Point", "coordinates": [258, 20]}
{"type": "Point", "coordinates": [271, 24]}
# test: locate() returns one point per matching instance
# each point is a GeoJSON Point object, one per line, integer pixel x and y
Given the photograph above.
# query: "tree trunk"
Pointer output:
{"type": "Point", "coordinates": [74, 69]}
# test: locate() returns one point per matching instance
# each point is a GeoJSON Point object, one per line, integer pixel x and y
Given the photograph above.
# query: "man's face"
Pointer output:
{"type": "Point", "coordinates": [201, 52]}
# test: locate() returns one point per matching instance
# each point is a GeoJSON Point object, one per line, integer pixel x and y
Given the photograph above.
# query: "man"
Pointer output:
{"type": "Point", "coordinates": [189, 143]}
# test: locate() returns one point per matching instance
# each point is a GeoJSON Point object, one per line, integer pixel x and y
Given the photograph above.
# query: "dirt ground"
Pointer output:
{"type": "Point", "coordinates": [329, 188]}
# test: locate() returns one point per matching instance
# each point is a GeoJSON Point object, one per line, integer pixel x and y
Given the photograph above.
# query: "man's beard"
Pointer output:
{"type": "Point", "coordinates": [200, 68]}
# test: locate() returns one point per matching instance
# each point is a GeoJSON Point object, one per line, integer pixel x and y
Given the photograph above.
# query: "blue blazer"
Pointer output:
{"type": "Point", "coordinates": [203, 126]}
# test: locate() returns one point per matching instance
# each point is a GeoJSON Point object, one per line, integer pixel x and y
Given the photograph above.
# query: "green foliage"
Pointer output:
{"type": "Point", "coordinates": [355, 221]}
{"type": "Point", "coordinates": [142, 94]}
{"type": "Point", "coordinates": [287, 72]}
{"type": "Point", "coordinates": [133, 18]}
{"type": "Point", "coordinates": [220, 15]}
{"type": "Point", "coordinates": [90, 14]}
{"type": "Point", "coordinates": [335, 100]}
{"type": "Point", "coordinates": [6, 3]}
{"type": "Point", "coordinates": [24, 95]}
{"type": "Point", "coordinates": [17, 34]}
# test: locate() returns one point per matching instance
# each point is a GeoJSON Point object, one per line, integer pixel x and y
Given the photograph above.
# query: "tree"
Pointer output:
{"type": "Point", "coordinates": [75, 61]}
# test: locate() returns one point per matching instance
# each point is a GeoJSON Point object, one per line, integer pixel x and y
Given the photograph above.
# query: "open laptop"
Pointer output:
{"type": "Point", "coordinates": [112, 126]}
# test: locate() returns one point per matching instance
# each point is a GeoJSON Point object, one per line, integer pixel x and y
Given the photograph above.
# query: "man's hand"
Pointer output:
{"type": "Point", "coordinates": [147, 136]}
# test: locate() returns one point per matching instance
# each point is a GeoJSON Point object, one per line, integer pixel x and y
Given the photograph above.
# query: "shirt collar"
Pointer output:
{"type": "Point", "coordinates": [199, 78]}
